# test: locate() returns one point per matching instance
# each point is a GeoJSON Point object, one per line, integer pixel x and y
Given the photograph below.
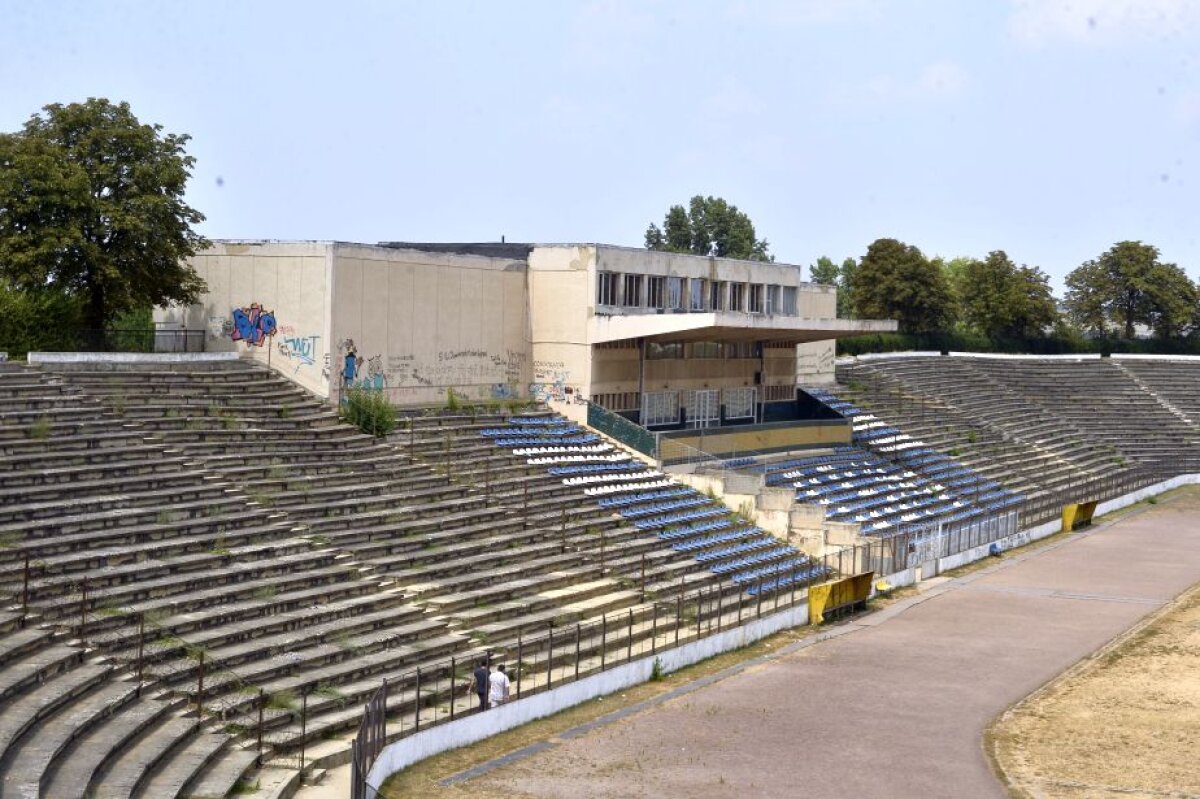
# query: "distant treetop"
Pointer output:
{"type": "Point", "coordinates": [709, 226]}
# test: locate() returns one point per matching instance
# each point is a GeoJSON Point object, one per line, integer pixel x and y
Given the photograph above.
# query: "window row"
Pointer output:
{"type": "Point", "coordinates": [674, 350]}
{"type": "Point", "coordinates": [694, 294]}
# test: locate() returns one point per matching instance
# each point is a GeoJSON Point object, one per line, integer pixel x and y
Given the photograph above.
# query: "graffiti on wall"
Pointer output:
{"type": "Point", "coordinates": [253, 325]}
{"type": "Point", "coordinates": [219, 327]}
{"type": "Point", "coordinates": [550, 381]}
{"type": "Point", "coordinates": [357, 371]}
{"type": "Point", "coordinates": [301, 350]}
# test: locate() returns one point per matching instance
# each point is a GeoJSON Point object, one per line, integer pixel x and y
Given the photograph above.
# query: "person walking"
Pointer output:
{"type": "Point", "coordinates": [500, 684]}
{"type": "Point", "coordinates": [480, 678]}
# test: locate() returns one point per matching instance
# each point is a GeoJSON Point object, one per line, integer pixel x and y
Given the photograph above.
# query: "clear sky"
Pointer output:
{"type": "Point", "coordinates": [1048, 129]}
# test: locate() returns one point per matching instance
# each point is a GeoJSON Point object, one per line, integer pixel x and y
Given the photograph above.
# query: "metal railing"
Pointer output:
{"type": "Point", "coordinates": [139, 340]}
{"type": "Point", "coordinates": [616, 426]}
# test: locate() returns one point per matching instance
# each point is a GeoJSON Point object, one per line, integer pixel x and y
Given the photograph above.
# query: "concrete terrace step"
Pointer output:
{"type": "Point", "coordinates": [20, 674]}
{"type": "Point", "coordinates": [36, 705]}
{"type": "Point", "coordinates": [27, 762]}
{"type": "Point", "coordinates": [220, 775]}
{"type": "Point", "coordinates": [182, 765]}
{"type": "Point", "coordinates": [124, 776]}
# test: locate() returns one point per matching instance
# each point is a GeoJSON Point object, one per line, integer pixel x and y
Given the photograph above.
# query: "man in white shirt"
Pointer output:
{"type": "Point", "coordinates": [498, 686]}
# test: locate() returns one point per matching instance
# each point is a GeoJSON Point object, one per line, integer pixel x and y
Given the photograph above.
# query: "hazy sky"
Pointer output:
{"type": "Point", "coordinates": [1049, 129]}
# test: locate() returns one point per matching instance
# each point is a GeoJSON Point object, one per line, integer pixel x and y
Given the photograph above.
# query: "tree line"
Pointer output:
{"type": "Point", "coordinates": [1126, 298]}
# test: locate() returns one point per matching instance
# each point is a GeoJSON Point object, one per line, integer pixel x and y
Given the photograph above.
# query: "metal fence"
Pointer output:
{"type": "Point", "coordinates": [616, 426]}
{"type": "Point", "coordinates": [368, 743]}
{"type": "Point", "coordinates": [139, 340]}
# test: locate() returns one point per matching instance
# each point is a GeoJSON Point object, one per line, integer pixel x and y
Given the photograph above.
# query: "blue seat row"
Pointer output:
{"type": "Point", "coordinates": [644, 496]}
{"type": "Point", "coordinates": [529, 441]}
{"type": "Point", "coordinates": [686, 516]}
{"type": "Point", "coordinates": [808, 574]}
{"type": "Point", "coordinates": [596, 468]}
{"type": "Point", "coordinates": [664, 507]}
{"type": "Point", "coordinates": [752, 560]}
{"type": "Point", "coordinates": [695, 529]}
{"type": "Point", "coordinates": [693, 544]}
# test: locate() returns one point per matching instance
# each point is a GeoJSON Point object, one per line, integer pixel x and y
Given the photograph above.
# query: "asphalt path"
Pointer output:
{"type": "Point", "coordinates": [894, 703]}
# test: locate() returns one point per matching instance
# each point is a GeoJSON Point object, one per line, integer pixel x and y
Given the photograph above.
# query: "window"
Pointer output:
{"type": "Point", "coordinates": [622, 401]}
{"type": "Point", "coordinates": [697, 291]}
{"type": "Point", "coordinates": [739, 403]}
{"type": "Point", "coordinates": [704, 349]}
{"type": "Point", "coordinates": [606, 288]}
{"type": "Point", "coordinates": [656, 292]}
{"type": "Point", "coordinates": [660, 407]}
{"type": "Point", "coordinates": [716, 295]}
{"type": "Point", "coordinates": [737, 296]}
{"type": "Point", "coordinates": [661, 351]}
{"type": "Point", "coordinates": [789, 301]}
{"type": "Point", "coordinates": [741, 349]}
{"type": "Point", "coordinates": [675, 293]}
{"type": "Point", "coordinates": [633, 291]}
{"type": "Point", "coordinates": [774, 303]}
{"type": "Point", "coordinates": [756, 299]}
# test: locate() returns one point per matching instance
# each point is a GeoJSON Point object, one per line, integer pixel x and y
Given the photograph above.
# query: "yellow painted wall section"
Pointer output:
{"type": "Point", "coordinates": [730, 440]}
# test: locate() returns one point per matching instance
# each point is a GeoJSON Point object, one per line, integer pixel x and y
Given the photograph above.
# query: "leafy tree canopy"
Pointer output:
{"type": "Point", "coordinates": [895, 280]}
{"type": "Point", "coordinates": [708, 226]}
{"type": "Point", "coordinates": [827, 273]}
{"type": "Point", "coordinates": [1003, 300]}
{"type": "Point", "coordinates": [91, 205]}
{"type": "Point", "coordinates": [1128, 286]}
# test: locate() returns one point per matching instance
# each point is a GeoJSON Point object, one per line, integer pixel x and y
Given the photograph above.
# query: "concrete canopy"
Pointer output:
{"type": "Point", "coordinates": [729, 326]}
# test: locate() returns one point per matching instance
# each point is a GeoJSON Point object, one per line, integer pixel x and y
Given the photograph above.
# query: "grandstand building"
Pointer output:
{"type": "Point", "coordinates": [667, 340]}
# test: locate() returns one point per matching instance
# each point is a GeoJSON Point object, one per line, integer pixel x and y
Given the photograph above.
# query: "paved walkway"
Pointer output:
{"type": "Point", "coordinates": [896, 705]}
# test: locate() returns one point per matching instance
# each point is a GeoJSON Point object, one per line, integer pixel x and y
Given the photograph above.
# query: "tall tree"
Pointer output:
{"type": "Point", "coordinates": [708, 226]}
{"type": "Point", "coordinates": [91, 204]}
{"type": "Point", "coordinates": [845, 303]}
{"type": "Point", "coordinates": [895, 280]}
{"type": "Point", "coordinates": [1003, 300]}
{"type": "Point", "coordinates": [1128, 286]}
{"type": "Point", "coordinates": [824, 272]}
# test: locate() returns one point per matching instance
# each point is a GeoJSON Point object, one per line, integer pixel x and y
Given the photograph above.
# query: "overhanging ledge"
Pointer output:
{"type": "Point", "coordinates": [727, 325]}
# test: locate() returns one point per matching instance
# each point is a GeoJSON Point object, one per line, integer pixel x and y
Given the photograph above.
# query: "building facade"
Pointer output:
{"type": "Point", "coordinates": [665, 339]}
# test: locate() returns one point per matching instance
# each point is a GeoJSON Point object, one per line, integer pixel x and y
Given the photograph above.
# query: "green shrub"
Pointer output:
{"type": "Point", "coordinates": [452, 403]}
{"type": "Point", "coordinates": [656, 671]}
{"type": "Point", "coordinates": [368, 410]}
{"type": "Point", "coordinates": [40, 429]}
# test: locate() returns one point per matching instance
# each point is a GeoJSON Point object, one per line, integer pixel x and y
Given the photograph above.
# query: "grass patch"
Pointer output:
{"type": "Point", "coordinates": [40, 429]}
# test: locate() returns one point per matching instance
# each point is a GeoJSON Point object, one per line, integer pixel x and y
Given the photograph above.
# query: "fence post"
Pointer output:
{"type": "Point", "coordinates": [141, 648]}
{"type": "Point", "coordinates": [518, 665]}
{"type": "Point", "coordinates": [262, 702]}
{"type": "Point", "coordinates": [549, 654]}
{"type": "Point", "coordinates": [603, 639]}
{"type": "Point", "coordinates": [643, 599]}
{"type": "Point", "coordinates": [563, 530]}
{"type": "Point", "coordinates": [699, 597]}
{"type": "Point", "coordinates": [759, 595]}
{"type": "Point", "coordinates": [200, 688]}
{"type": "Point", "coordinates": [25, 593]}
{"type": "Point", "coordinates": [678, 614]}
{"type": "Point", "coordinates": [720, 594]}
{"type": "Point", "coordinates": [453, 687]}
{"type": "Point", "coordinates": [629, 650]}
{"type": "Point", "coordinates": [417, 703]}
{"type": "Point", "coordinates": [83, 614]}
{"type": "Point", "coordinates": [304, 728]}
{"type": "Point", "coordinates": [576, 650]}
{"type": "Point", "coordinates": [654, 630]}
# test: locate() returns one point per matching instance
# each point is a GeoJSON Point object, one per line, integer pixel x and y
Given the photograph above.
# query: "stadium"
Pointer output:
{"type": "Point", "coordinates": [608, 464]}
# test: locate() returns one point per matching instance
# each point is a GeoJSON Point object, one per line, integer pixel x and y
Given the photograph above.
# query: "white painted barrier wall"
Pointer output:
{"type": "Point", "coordinates": [132, 357]}
{"type": "Point", "coordinates": [468, 730]}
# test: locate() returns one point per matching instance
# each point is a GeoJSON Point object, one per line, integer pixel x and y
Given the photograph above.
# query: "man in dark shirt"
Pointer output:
{"type": "Point", "coordinates": [479, 683]}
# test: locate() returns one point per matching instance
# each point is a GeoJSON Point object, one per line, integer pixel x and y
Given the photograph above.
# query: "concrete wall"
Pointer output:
{"type": "Point", "coordinates": [424, 322]}
{"type": "Point", "coordinates": [814, 363]}
{"type": "Point", "coordinates": [287, 282]}
{"type": "Point", "coordinates": [562, 283]}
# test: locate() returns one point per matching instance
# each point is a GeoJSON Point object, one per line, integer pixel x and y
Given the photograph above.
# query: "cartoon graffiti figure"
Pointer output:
{"type": "Point", "coordinates": [351, 365]}
{"type": "Point", "coordinates": [253, 325]}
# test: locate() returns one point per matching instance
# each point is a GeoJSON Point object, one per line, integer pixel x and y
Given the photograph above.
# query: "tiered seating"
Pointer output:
{"type": "Point", "coordinates": [914, 487]}
{"type": "Point", "coordinates": [980, 423]}
{"type": "Point", "coordinates": [219, 513]}
{"type": "Point", "coordinates": [677, 514]}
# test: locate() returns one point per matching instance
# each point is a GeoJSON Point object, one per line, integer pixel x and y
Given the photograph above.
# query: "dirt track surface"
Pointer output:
{"type": "Point", "coordinates": [896, 707]}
